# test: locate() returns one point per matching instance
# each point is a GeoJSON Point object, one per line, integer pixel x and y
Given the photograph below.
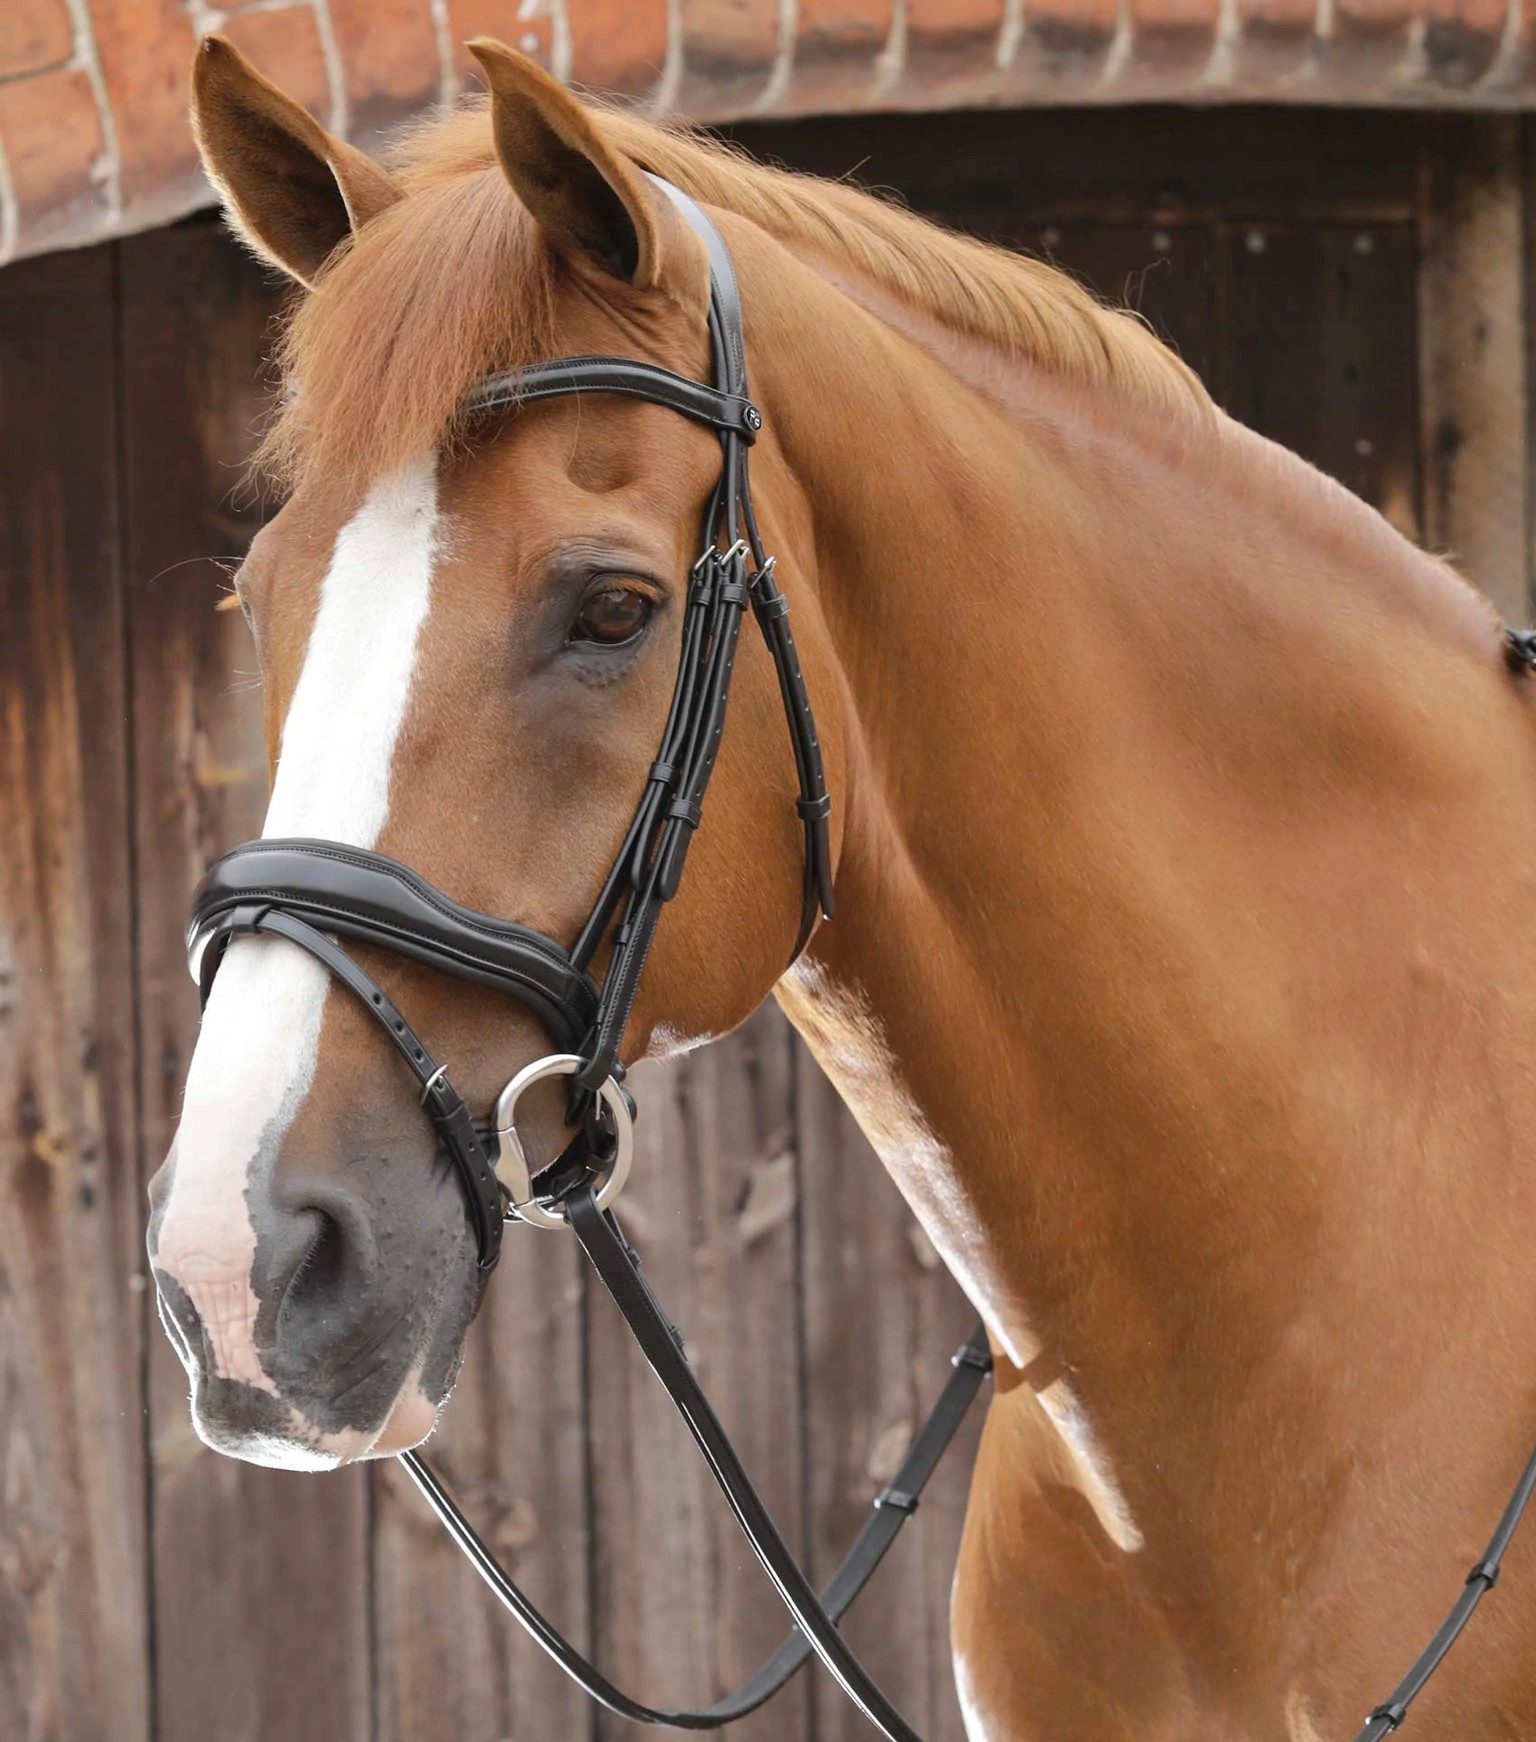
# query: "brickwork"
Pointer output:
{"type": "Point", "coordinates": [94, 141]}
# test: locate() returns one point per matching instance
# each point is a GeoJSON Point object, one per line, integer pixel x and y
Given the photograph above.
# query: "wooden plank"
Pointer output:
{"type": "Point", "coordinates": [681, 1608]}
{"type": "Point", "coordinates": [74, 1646]}
{"type": "Point", "coordinates": [1320, 328]}
{"type": "Point", "coordinates": [451, 1663]}
{"type": "Point", "coordinates": [260, 1591]}
{"type": "Point", "coordinates": [1117, 164]}
{"type": "Point", "coordinates": [882, 1319]}
{"type": "Point", "coordinates": [1162, 270]}
{"type": "Point", "coordinates": [1472, 362]}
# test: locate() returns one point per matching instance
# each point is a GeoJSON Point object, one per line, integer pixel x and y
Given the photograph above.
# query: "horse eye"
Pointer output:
{"type": "Point", "coordinates": [611, 616]}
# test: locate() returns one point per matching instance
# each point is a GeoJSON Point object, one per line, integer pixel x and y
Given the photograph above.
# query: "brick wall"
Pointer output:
{"type": "Point", "coordinates": [94, 141]}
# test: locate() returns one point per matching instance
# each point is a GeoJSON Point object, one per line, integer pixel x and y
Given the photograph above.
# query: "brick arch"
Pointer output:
{"type": "Point", "coordinates": [94, 140]}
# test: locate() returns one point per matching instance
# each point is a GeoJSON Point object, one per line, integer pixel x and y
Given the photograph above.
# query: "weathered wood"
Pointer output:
{"type": "Point", "coordinates": [1117, 164]}
{"type": "Point", "coordinates": [260, 1598]}
{"type": "Point", "coordinates": [1472, 358]}
{"type": "Point", "coordinates": [74, 1652]}
{"type": "Point", "coordinates": [682, 1610]}
{"type": "Point", "coordinates": [1318, 346]}
{"type": "Point", "coordinates": [1161, 270]}
{"type": "Point", "coordinates": [882, 1318]}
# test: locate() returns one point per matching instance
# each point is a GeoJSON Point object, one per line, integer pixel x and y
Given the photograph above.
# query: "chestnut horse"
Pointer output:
{"type": "Point", "coordinates": [1183, 972]}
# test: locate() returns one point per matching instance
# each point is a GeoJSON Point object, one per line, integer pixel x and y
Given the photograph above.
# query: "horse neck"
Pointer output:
{"type": "Point", "coordinates": [1135, 722]}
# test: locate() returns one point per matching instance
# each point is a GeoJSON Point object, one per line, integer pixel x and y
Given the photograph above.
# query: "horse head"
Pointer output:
{"type": "Point", "coordinates": [469, 621]}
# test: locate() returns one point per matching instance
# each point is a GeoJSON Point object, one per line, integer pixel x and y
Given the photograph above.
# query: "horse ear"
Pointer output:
{"type": "Point", "coordinates": [291, 189]}
{"type": "Point", "coordinates": [589, 199]}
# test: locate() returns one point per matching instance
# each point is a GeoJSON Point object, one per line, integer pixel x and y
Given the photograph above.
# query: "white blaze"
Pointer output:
{"type": "Point", "coordinates": [255, 1053]}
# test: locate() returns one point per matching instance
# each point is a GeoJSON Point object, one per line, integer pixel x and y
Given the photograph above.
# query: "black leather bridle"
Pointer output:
{"type": "Point", "coordinates": [314, 893]}
{"type": "Point", "coordinates": [317, 893]}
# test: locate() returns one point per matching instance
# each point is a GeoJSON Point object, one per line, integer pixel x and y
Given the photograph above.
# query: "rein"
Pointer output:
{"type": "Point", "coordinates": [314, 893]}
{"type": "Point", "coordinates": [816, 1617]}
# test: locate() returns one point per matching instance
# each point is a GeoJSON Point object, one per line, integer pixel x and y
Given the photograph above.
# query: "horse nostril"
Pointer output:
{"type": "Point", "coordinates": [314, 1249]}
{"type": "Point", "coordinates": [320, 1264]}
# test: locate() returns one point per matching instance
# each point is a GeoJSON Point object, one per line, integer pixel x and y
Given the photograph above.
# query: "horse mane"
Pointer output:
{"type": "Point", "coordinates": [453, 282]}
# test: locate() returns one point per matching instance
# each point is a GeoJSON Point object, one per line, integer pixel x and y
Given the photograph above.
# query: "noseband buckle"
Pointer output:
{"type": "Point", "coordinates": [512, 1162]}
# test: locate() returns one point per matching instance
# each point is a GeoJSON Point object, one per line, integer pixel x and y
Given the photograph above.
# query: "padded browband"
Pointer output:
{"type": "Point", "coordinates": [363, 896]}
{"type": "Point", "coordinates": [649, 381]}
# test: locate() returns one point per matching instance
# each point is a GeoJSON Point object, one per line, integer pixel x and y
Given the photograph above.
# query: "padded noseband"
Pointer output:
{"type": "Point", "coordinates": [372, 899]}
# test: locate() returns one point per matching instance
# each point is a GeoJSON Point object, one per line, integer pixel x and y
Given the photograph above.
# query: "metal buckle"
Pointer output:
{"type": "Point", "coordinates": [512, 1164]}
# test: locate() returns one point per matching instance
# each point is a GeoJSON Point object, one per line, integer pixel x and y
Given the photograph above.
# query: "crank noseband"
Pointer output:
{"type": "Point", "coordinates": [314, 893]}
{"type": "Point", "coordinates": [372, 899]}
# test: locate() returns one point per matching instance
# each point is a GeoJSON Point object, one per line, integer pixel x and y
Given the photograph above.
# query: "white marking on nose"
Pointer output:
{"type": "Point", "coordinates": [255, 1054]}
